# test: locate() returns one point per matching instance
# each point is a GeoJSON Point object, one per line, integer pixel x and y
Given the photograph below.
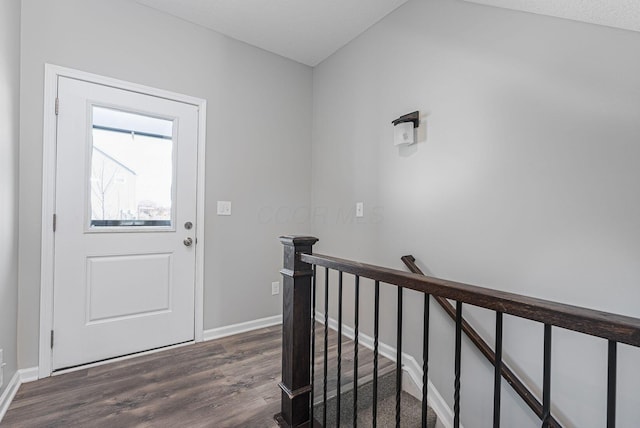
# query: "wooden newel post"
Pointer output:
{"type": "Point", "coordinates": [296, 333]}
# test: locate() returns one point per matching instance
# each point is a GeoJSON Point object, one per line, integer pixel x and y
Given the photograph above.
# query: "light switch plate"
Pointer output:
{"type": "Point", "coordinates": [224, 207]}
{"type": "Point", "coordinates": [359, 209]}
{"type": "Point", "coordinates": [275, 288]}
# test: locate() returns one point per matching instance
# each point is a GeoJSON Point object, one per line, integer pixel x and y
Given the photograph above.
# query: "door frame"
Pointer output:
{"type": "Point", "coordinates": [49, 163]}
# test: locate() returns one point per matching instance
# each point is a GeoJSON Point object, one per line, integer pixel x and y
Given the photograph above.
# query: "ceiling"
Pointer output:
{"type": "Point", "coordinates": [307, 31]}
{"type": "Point", "coordinates": [623, 14]}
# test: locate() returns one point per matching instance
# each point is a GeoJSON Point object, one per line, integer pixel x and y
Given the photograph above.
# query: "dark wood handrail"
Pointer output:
{"type": "Point", "coordinates": [511, 378]}
{"type": "Point", "coordinates": [618, 328]}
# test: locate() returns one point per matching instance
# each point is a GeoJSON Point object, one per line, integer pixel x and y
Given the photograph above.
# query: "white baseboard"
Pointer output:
{"type": "Point", "coordinates": [412, 371]}
{"type": "Point", "coordinates": [8, 394]}
{"type": "Point", "coordinates": [28, 375]}
{"type": "Point", "coordinates": [229, 330]}
{"type": "Point", "coordinates": [18, 378]}
{"type": "Point", "coordinates": [363, 339]}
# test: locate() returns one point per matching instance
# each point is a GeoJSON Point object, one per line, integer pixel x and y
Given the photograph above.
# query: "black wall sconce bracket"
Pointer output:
{"type": "Point", "coordinates": [411, 117]}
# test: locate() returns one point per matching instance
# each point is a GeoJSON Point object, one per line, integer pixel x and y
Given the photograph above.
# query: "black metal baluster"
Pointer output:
{"type": "Point", "coordinates": [399, 358]}
{"type": "Point", "coordinates": [546, 382]}
{"type": "Point", "coordinates": [355, 351]}
{"type": "Point", "coordinates": [376, 326]}
{"type": "Point", "coordinates": [497, 377]}
{"type": "Point", "coordinates": [456, 393]}
{"type": "Point", "coordinates": [425, 359]}
{"type": "Point", "coordinates": [326, 346]}
{"type": "Point", "coordinates": [339, 348]}
{"type": "Point", "coordinates": [313, 337]}
{"type": "Point", "coordinates": [611, 384]}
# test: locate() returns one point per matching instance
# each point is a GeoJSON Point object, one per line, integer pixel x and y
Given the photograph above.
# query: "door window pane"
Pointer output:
{"type": "Point", "coordinates": [131, 169]}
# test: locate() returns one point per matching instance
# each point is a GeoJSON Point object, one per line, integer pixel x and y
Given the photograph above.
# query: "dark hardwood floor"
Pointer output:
{"type": "Point", "coordinates": [229, 382]}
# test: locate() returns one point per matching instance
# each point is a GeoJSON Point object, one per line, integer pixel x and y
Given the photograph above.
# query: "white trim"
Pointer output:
{"type": "Point", "coordinates": [48, 208]}
{"type": "Point", "coordinates": [363, 339]}
{"type": "Point", "coordinates": [28, 375]}
{"type": "Point", "coordinates": [200, 216]}
{"type": "Point", "coordinates": [217, 333]}
{"type": "Point", "coordinates": [51, 74]}
{"type": "Point", "coordinates": [412, 371]}
{"type": "Point", "coordinates": [18, 378]}
{"type": "Point", "coordinates": [8, 394]}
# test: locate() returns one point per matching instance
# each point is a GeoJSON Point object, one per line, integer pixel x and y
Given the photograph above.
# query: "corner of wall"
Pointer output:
{"type": "Point", "coordinates": [18, 378]}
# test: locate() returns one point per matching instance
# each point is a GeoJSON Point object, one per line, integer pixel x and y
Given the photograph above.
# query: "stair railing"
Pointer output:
{"type": "Point", "coordinates": [298, 330]}
{"type": "Point", "coordinates": [495, 358]}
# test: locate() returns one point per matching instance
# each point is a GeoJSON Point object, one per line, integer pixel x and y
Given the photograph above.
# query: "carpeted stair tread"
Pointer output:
{"type": "Point", "coordinates": [410, 409]}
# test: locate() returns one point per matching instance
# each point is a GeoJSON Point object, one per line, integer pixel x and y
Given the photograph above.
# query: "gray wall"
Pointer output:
{"type": "Point", "coordinates": [9, 143]}
{"type": "Point", "coordinates": [525, 179]}
{"type": "Point", "coordinates": [250, 159]}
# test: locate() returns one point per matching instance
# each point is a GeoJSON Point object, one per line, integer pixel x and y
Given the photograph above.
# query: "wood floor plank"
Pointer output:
{"type": "Point", "coordinates": [229, 382]}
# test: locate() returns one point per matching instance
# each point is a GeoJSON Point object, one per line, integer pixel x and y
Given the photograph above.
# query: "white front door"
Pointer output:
{"type": "Point", "coordinates": [126, 178]}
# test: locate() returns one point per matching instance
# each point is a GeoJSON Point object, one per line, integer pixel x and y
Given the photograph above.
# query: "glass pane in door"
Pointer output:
{"type": "Point", "coordinates": [132, 169]}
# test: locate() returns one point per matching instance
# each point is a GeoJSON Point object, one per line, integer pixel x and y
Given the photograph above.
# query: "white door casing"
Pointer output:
{"type": "Point", "coordinates": [119, 290]}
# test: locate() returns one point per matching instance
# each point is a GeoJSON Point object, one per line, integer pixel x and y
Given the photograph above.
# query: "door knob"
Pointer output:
{"type": "Point", "coordinates": [188, 242]}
